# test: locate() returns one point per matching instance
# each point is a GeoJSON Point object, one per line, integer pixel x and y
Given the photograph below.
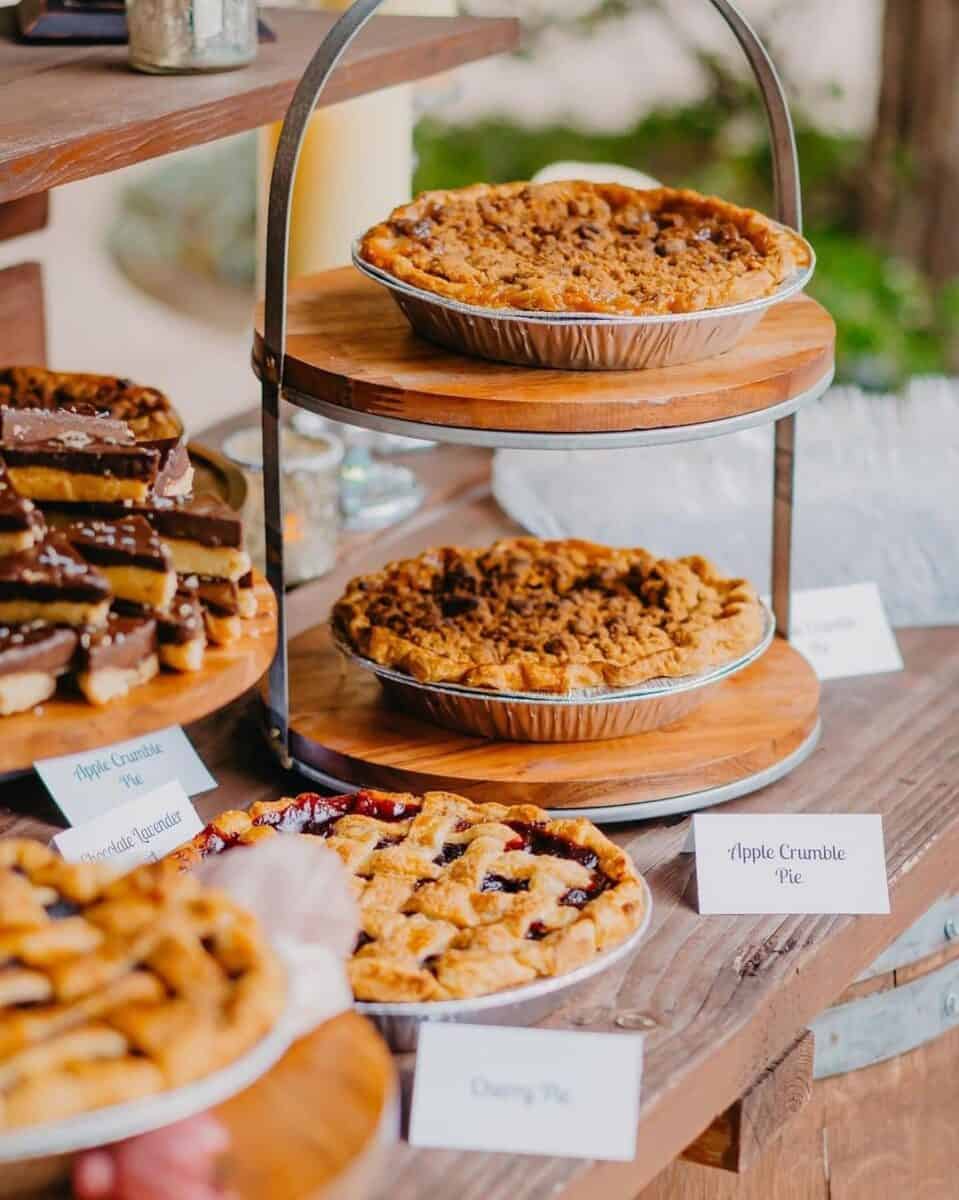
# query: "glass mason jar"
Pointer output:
{"type": "Point", "coordinates": [172, 37]}
{"type": "Point", "coordinates": [310, 473]}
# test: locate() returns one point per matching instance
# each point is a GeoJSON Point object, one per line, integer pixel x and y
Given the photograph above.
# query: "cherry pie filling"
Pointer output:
{"type": "Point", "coordinates": [317, 816]}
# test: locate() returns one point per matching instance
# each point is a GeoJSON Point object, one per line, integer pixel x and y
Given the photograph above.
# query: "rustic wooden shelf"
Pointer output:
{"type": "Point", "coordinates": [68, 112]}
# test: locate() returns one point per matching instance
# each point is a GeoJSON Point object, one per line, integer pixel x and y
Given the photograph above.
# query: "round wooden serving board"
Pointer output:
{"type": "Point", "coordinates": [341, 727]}
{"type": "Point", "coordinates": [67, 725]}
{"type": "Point", "coordinates": [348, 344]}
{"type": "Point", "coordinates": [315, 1127]}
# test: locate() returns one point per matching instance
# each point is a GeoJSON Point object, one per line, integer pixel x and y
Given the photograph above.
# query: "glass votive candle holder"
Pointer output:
{"type": "Point", "coordinates": [310, 475]}
{"type": "Point", "coordinates": [175, 37]}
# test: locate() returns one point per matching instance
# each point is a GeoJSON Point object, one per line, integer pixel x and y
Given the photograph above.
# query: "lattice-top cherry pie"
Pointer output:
{"type": "Point", "coordinates": [536, 616]}
{"type": "Point", "coordinates": [582, 247]}
{"type": "Point", "coordinates": [457, 899]}
{"type": "Point", "coordinates": [116, 988]}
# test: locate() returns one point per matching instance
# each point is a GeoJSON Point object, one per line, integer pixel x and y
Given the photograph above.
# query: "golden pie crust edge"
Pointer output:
{"type": "Point", "coordinates": [505, 960]}
{"type": "Point", "coordinates": [149, 982]}
{"type": "Point", "coordinates": [735, 633]}
{"type": "Point", "coordinates": [780, 251]}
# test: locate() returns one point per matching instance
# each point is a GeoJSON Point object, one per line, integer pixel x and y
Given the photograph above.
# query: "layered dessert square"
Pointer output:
{"type": "Point", "coordinates": [21, 522]}
{"type": "Point", "coordinates": [147, 411]}
{"type": "Point", "coordinates": [76, 465]}
{"type": "Point", "coordinates": [130, 555]}
{"type": "Point", "coordinates": [116, 657]}
{"type": "Point", "coordinates": [32, 658]}
{"type": "Point", "coordinates": [51, 582]}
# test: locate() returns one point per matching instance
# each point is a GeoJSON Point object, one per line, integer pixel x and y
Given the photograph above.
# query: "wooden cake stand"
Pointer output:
{"type": "Point", "coordinates": [352, 356]}
{"type": "Point", "coordinates": [320, 1122]}
{"type": "Point", "coordinates": [68, 725]}
{"type": "Point", "coordinates": [760, 724]}
{"type": "Point", "coordinates": [336, 344]}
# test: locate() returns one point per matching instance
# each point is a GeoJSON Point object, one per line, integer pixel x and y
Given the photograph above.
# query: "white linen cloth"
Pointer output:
{"type": "Point", "coordinates": [876, 498]}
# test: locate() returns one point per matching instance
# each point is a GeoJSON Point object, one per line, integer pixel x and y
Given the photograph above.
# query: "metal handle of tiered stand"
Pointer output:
{"type": "Point", "coordinates": [305, 98]}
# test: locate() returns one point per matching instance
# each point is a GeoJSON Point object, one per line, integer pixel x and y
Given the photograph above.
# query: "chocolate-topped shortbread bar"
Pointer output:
{"type": "Point", "coordinates": [40, 424]}
{"type": "Point", "coordinates": [174, 475]}
{"type": "Point", "coordinates": [147, 411]}
{"type": "Point", "coordinates": [52, 582]}
{"type": "Point", "coordinates": [204, 535]}
{"type": "Point", "coordinates": [21, 522]}
{"type": "Point", "coordinates": [32, 658]}
{"type": "Point", "coordinates": [181, 636]}
{"type": "Point", "coordinates": [220, 599]}
{"type": "Point", "coordinates": [116, 657]}
{"type": "Point", "coordinates": [76, 465]}
{"type": "Point", "coordinates": [132, 557]}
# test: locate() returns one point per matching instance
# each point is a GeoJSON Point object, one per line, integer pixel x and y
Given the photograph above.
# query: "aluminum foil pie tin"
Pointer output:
{"type": "Point", "coordinates": [525, 1005]}
{"type": "Point", "coordinates": [584, 341]}
{"type": "Point", "coordinates": [596, 714]}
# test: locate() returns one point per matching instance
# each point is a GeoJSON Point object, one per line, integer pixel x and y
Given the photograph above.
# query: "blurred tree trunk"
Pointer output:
{"type": "Point", "coordinates": [911, 192]}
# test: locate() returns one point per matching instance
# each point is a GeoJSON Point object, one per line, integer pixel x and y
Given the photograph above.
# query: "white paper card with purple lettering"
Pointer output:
{"type": "Point", "coordinates": [527, 1091]}
{"type": "Point", "coordinates": [790, 863]}
{"type": "Point", "coordinates": [143, 830]}
{"type": "Point", "coordinates": [91, 783]}
{"type": "Point", "coordinates": [844, 631]}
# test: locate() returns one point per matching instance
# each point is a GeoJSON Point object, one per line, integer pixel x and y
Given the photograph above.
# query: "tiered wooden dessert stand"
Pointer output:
{"type": "Point", "coordinates": [337, 345]}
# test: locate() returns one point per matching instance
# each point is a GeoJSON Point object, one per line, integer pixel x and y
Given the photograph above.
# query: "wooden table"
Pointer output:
{"type": "Point", "coordinates": [727, 995]}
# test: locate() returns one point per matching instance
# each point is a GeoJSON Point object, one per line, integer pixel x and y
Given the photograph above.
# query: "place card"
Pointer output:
{"type": "Point", "coordinates": [527, 1091]}
{"type": "Point", "coordinates": [144, 829]}
{"type": "Point", "coordinates": [844, 631]}
{"type": "Point", "coordinates": [790, 863]}
{"type": "Point", "coordinates": [91, 783]}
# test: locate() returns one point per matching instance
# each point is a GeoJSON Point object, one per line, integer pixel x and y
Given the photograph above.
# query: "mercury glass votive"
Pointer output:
{"type": "Point", "coordinates": [172, 37]}
{"type": "Point", "coordinates": [310, 473]}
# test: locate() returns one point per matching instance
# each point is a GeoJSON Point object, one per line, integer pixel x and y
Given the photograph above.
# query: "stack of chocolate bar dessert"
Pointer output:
{"type": "Point", "coordinates": [109, 566]}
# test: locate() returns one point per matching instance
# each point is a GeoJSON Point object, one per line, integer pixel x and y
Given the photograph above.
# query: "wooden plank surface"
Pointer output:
{"type": "Point", "coordinates": [23, 330]}
{"type": "Point", "coordinates": [349, 344]}
{"type": "Point", "coordinates": [722, 996]}
{"type": "Point", "coordinates": [68, 112]}
{"type": "Point", "coordinates": [884, 1133]}
{"type": "Point", "coordinates": [25, 215]}
{"type": "Point", "coordinates": [740, 1137]}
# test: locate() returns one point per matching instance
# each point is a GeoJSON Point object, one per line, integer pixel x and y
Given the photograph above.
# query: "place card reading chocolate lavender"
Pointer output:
{"type": "Point", "coordinates": [144, 829]}
{"type": "Point", "coordinates": [89, 784]}
{"type": "Point", "coordinates": [790, 863]}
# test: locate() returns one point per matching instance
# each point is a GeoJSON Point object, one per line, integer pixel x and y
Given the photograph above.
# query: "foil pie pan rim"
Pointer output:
{"type": "Point", "coordinates": [438, 1010]}
{"type": "Point", "coordinates": [652, 689]}
{"type": "Point", "coordinates": [789, 287]}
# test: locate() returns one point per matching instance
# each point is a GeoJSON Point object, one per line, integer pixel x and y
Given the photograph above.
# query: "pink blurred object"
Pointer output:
{"type": "Point", "coordinates": [301, 894]}
{"type": "Point", "coordinates": [175, 1163]}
